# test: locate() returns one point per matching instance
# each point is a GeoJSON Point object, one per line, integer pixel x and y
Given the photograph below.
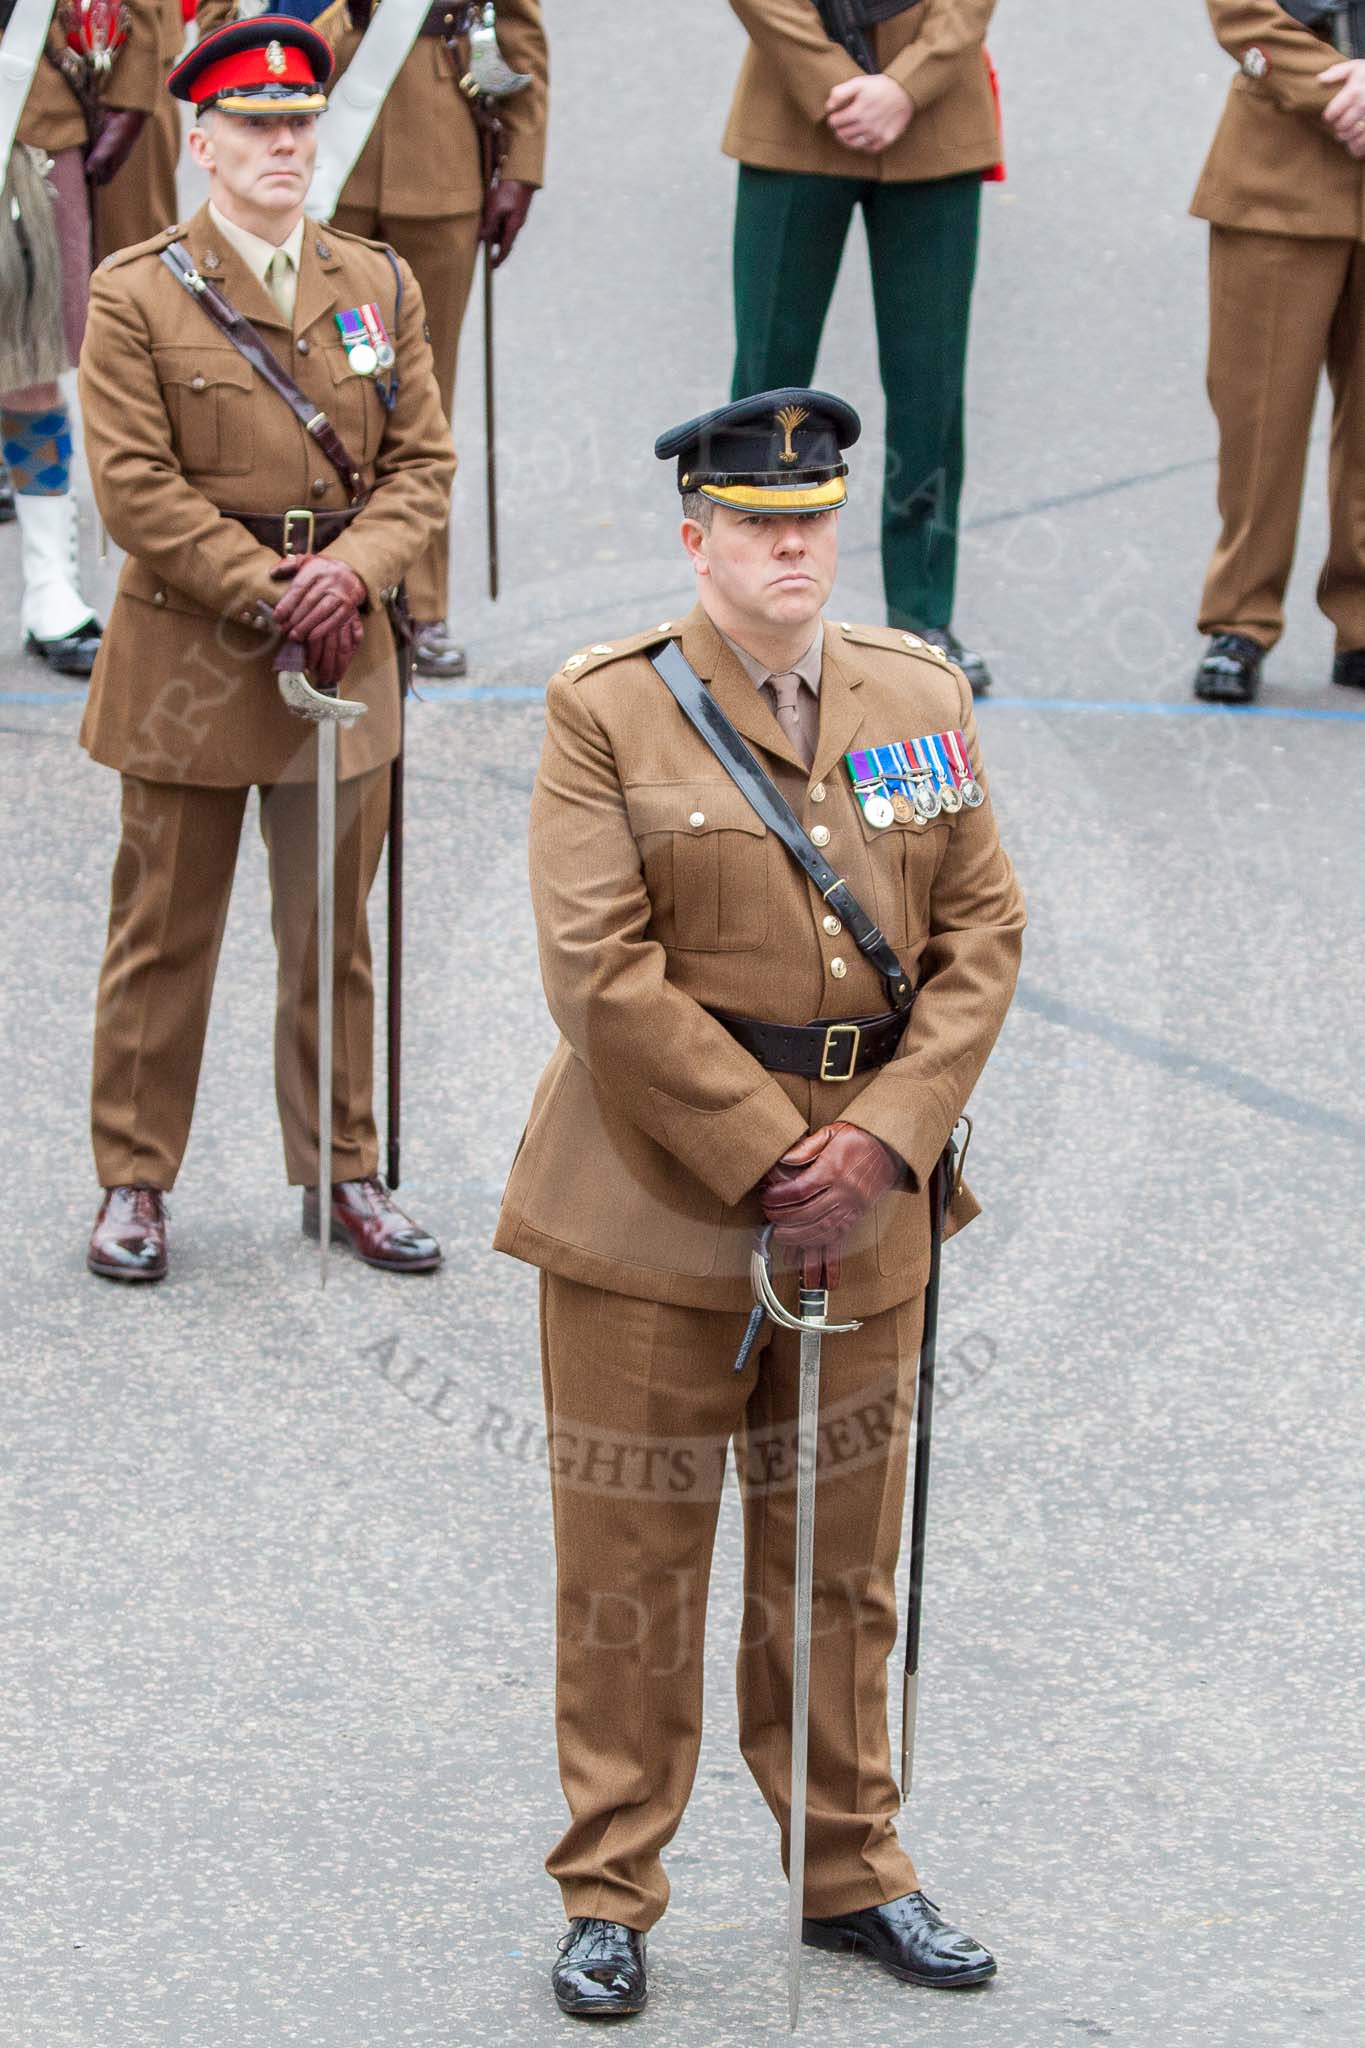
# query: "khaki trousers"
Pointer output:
{"type": "Point", "coordinates": [642, 1401]}
{"type": "Point", "coordinates": [172, 881]}
{"type": "Point", "coordinates": [1280, 308]}
{"type": "Point", "coordinates": [442, 253]}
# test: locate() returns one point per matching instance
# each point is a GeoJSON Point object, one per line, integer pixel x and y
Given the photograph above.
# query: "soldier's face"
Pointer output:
{"type": "Point", "coordinates": [763, 568]}
{"type": "Point", "coordinates": [263, 161]}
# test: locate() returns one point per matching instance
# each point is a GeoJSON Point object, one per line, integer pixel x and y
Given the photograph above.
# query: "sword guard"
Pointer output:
{"type": "Point", "coordinates": [761, 1279]}
{"type": "Point", "coordinates": [301, 697]}
{"type": "Point", "coordinates": [489, 72]}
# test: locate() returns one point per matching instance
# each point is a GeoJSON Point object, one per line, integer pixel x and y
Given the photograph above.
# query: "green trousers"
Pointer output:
{"type": "Point", "coordinates": [790, 229]}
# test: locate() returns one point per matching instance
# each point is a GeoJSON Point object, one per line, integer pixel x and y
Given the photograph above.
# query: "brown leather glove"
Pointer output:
{"type": "Point", "coordinates": [821, 1189]}
{"type": "Point", "coordinates": [323, 595]}
{"type": "Point", "coordinates": [505, 207]}
{"type": "Point", "coordinates": [330, 654]}
{"type": "Point", "coordinates": [112, 147]}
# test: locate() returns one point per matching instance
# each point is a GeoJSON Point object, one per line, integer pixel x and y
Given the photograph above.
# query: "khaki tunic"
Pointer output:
{"type": "Point", "coordinates": [179, 429]}
{"type": "Point", "coordinates": [659, 896]}
{"type": "Point", "coordinates": [935, 51]}
{"type": "Point", "coordinates": [1275, 167]}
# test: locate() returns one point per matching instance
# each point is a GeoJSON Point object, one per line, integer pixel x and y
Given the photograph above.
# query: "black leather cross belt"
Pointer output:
{"type": "Point", "coordinates": [827, 1050]}
{"type": "Point", "coordinates": [300, 532]}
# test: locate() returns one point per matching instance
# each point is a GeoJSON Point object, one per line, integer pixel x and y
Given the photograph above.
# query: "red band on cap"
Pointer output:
{"type": "Point", "coordinates": [251, 68]}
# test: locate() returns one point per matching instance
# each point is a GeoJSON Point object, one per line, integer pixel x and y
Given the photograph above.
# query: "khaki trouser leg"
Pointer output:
{"type": "Point", "coordinates": [1341, 588]}
{"type": "Point", "coordinates": [443, 253]}
{"type": "Point", "coordinates": [867, 1380]}
{"type": "Point", "coordinates": [641, 1401]}
{"type": "Point", "coordinates": [168, 904]}
{"type": "Point", "coordinates": [289, 828]}
{"type": "Point", "coordinates": [1272, 302]}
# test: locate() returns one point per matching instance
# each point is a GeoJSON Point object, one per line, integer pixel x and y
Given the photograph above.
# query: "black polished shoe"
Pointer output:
{"type": "Point", "coordinates": [7, 511]}
{"type": "Point", "coordinates": [72, 655]}
{"type": "Point", "coordinates": [1230, 672]}
{"type": "Point", "coordinates": [434, 653]}
{"type": "Point", "coordinates": [910, 1938]}
{"type": "Point", "coordinates": [973, 666]}
{"type": "Point", "coordinates": [601, 1970]}
{"type": "Point", "coordinates": [1349, 669]}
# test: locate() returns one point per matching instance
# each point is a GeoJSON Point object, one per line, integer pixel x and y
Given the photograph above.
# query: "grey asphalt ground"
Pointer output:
{"type": "Point", "coordinates": [276, 1751]}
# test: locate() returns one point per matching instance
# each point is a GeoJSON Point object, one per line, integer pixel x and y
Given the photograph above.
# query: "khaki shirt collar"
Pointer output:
{"type": "Point", "coordinates": [254, 250]}
{"type": "Point", "coordinates": [807, 668]}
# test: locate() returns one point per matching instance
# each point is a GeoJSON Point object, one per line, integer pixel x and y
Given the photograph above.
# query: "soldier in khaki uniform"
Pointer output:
{"type": "Point", "coordinates": [908, 143]}
{"type": "Point", "coordinates": [676, 935]}
{"type": "Point", "coordinates": [35, 426]}
{"type": "Point", "coordinates": [141, 199]}
{"type": "Point", "coordinates": [419, 185]}
{"type": "Point", "coordinates": [1284, 193]}
{"type": "Point", "coordinates": [226, 506]}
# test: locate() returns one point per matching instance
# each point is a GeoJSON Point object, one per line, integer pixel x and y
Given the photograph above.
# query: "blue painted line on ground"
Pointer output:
{"type": "Point", "coordinates": [1121, 707]}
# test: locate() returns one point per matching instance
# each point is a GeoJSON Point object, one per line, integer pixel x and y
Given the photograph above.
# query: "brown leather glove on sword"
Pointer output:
{"type": "Point", "coordinates": [322, 609]}
{"type": "Point", "coordinates": [820, 1189]}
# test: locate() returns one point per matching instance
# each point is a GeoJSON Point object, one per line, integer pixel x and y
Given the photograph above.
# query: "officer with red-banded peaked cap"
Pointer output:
{"type": "Point", "coordinates": [267, 445]}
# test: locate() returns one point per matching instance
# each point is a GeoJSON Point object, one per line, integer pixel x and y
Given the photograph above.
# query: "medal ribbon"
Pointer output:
{"type": "Point", "coordinates": [958, 755]}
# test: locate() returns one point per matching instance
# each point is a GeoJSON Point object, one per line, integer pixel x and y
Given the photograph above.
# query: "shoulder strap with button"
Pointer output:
{"type": "Point", "coordinates": [249, 343]}
{"type": "Point", "coordinates": [698, 705]}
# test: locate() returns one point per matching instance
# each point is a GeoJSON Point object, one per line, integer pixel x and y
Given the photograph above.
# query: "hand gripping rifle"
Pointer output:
{"type": "Point", "coordinates": [488, 80]}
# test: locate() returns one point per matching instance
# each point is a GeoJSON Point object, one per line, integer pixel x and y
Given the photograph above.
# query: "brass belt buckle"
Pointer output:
{"type": "Point", "coordinates": [828, 1053]}
{"type": "Point", "coordinates": [306, 513]}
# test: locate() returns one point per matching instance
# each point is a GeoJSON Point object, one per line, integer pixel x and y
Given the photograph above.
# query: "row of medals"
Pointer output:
{"type": "Point", "coordinates": [365, 358]}
{"type": "Point", "coordinates": [882, 807]}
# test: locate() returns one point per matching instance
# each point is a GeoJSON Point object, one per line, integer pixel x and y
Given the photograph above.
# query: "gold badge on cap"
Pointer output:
{"type": "Point", "coordinates": [789, 419]}
{"type": "Point", "coordinates": [274, 59]}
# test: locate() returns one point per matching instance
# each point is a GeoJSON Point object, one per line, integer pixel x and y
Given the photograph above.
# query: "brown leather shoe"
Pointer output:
{"type": "Point", "coordinates": [129, 1238]}
{"type": "Point", "coordinates": [366, 1217]}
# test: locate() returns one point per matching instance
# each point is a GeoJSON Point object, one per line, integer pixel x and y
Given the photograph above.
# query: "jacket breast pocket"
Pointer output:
{"type": "Point", "coordinates": [208, 401]}
{"type": "Point", "coordinates": [354, 407]}
{"type": "Point", "coordinates": [904, 858]}
{"type": "Point", "coordinates": [705, 855]}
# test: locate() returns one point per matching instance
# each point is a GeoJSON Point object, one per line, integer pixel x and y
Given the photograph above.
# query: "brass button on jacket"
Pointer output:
{"type": "Point", "coordinates": [820, 834]}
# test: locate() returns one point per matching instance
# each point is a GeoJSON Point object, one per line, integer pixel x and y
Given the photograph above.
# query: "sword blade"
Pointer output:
{"type": "Point", "coordinates": [327, 838]}
{"type": "Point", "coordinates": [814, 1305]}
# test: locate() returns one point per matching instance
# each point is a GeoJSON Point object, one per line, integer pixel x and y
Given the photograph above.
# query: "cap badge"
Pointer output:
{"type": "Point", "coordinates": [274, 59]}
{"type": "Point", "coordinates": [789, 419]}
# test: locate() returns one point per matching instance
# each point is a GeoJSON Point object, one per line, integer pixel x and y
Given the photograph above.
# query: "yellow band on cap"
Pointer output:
{"type": "Point", "coordinates": [245, 103]}
{"type": "Point", "coordinates": [758, 498]}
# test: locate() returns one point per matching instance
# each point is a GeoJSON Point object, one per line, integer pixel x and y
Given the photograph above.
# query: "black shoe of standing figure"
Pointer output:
{"type": "Point", "coordinates": [1230, 672]}
{"type": "Point", "coordinates": [1349, 669]}
{"type": "Point", "coordinates": [973, 666]}
{"type": "Point", "coordinates": [601, 1970]}
{"type": "Point", "coordinates": [910, 1938]}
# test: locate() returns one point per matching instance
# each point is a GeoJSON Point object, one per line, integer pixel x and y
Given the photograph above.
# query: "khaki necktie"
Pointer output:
{"type": "Point", "coordinates": [787, 690]}
{"type": "Point", "coordinates": [281, 282]}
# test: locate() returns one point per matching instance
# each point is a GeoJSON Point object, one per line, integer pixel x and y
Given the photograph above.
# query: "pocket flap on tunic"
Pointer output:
{"type": "Point", "coordinates": [695, 808]}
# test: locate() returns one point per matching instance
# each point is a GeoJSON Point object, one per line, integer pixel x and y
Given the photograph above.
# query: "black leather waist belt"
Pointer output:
{"type": "Point", "coordinates": [822, 1051]}
{"type": "Point", "coordinates": [300, 532]}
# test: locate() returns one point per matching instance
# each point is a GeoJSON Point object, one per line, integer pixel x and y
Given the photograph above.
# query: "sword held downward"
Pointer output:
{"type": "Point", "coordinates": [329, 713]}
{"type": "Point", "coordinates": [813, 1326]}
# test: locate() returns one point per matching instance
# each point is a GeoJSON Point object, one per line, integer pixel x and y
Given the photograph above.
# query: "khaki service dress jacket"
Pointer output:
{"type": "Point", "coordinates": [179, 429]}
{"type": "Point", "coordinates": [1275, 168]}
{"type": "Point", "coordinates": [659, 896]}
{"type": "Point", "coordinates": [935, 51]}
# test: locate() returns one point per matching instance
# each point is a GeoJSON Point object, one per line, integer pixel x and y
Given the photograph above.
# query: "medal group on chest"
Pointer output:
{"type": "Point", "coordinates": [914, 781]}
